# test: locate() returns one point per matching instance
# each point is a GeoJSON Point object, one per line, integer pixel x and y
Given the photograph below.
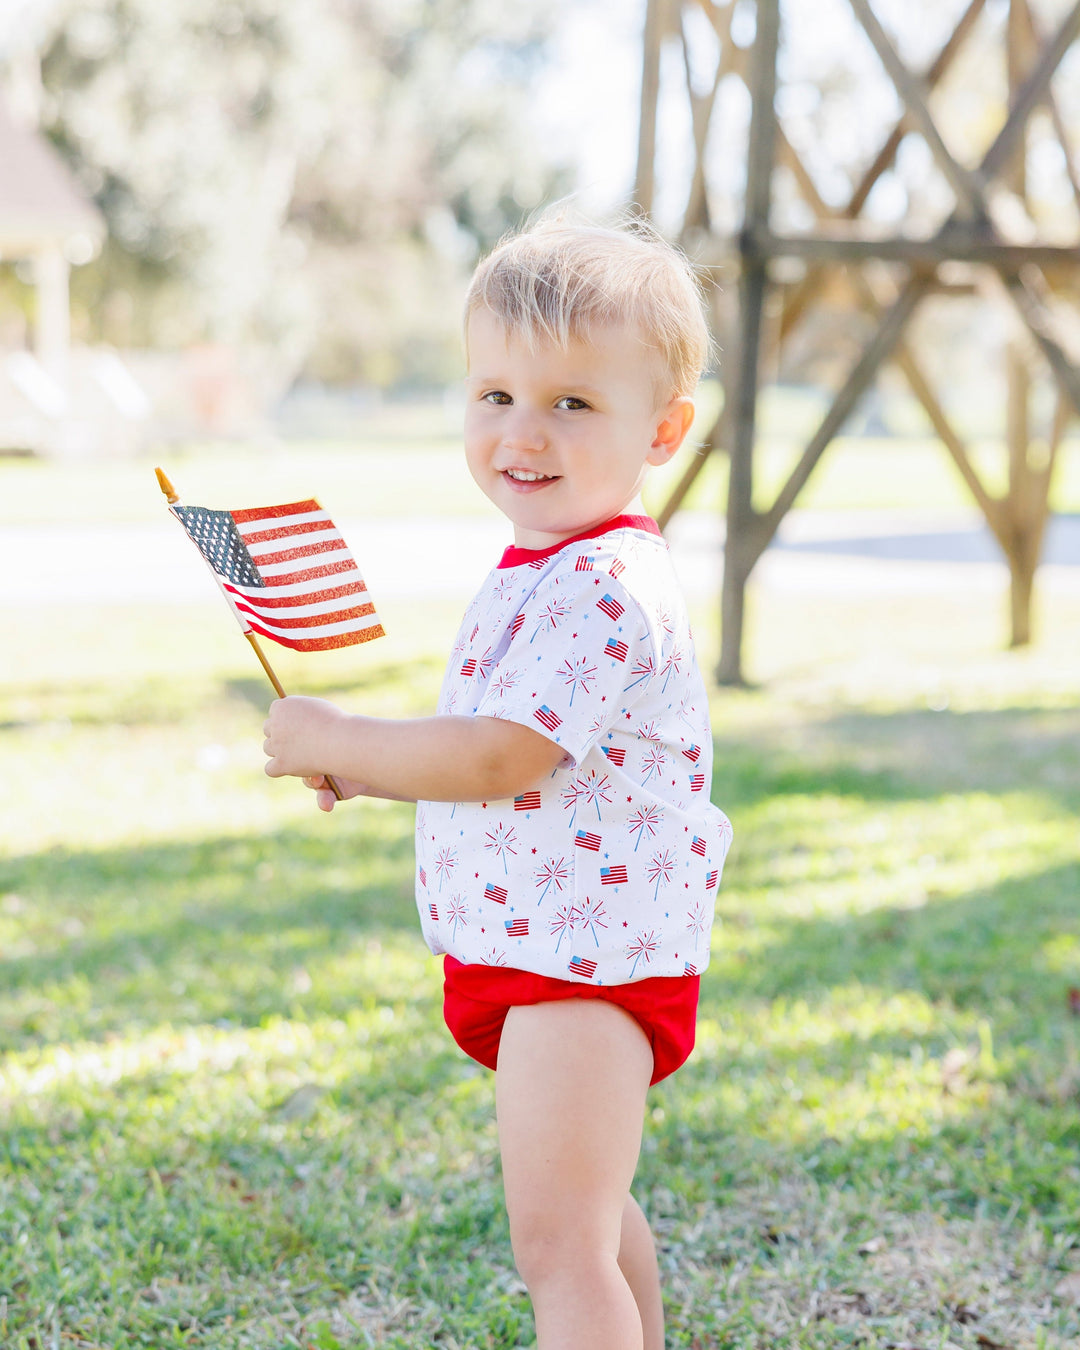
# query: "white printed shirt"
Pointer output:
{"type": "Point", "coordinates": [605, 872]}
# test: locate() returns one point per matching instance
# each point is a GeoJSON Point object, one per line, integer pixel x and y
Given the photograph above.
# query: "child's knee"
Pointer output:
{"type": "Point", "coordinates": [550, 1248]}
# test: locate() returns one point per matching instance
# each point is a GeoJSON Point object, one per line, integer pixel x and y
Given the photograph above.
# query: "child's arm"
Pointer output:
{"type": "Point", "coordinates": [449, 759]}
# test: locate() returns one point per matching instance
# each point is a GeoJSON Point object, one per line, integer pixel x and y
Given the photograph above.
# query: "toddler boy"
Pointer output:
{"type": "Point", "coordinates": [567, 851]}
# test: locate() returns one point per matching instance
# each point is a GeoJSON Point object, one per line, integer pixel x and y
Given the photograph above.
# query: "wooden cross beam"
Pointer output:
{"type": "Point", "coordinates": [750, 531]}
{"type": "Point", "coordinates": [971, 188]}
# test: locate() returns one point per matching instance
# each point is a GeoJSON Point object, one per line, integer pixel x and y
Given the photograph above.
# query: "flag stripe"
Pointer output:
{"type": "Point", "coordinates": [332, 616]}
{"type": "Point", "coordinates": [309, 549]}
{"type": "Point", "coordinates": [251, 535]}
{"type": "Point", "coordinates": [286, 629]}
{"type": "Point", "coordinates": [307, 508]}
{"type": "Point", "coordinates": [320, 531]}
{"type": "Point", "coordinates": [277, 573]}
{"type": "Point", "coordinates": [282, 599]}
{"type": "Point", "coordinates": [322, 644]}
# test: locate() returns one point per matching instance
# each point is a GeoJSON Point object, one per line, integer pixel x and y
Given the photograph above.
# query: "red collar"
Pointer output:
{"type": "Point", "coordinates": [519, 557]}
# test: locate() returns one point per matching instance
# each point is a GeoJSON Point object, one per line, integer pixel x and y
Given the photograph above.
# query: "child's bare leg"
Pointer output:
{"type": "Point", "coordinates": [637, 1261]}
{"type": "Point", "coordinates": [570, 1096]}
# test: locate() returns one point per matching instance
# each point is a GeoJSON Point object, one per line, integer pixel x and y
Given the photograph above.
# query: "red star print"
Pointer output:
{"type": "Point", "coordinates": [534, 850]}
{"type": "Point", "coordinates": [625, 924]}
{"type": "Point", "coordinates": [476, 876]}
{"type": "Point", "coordinates": [629, 799]}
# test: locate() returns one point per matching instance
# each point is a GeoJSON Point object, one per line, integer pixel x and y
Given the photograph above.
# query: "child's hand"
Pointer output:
{"type": "Point", "coordinates": [325, 799]}
{"type": "Point", "coordinates": [300, 736]}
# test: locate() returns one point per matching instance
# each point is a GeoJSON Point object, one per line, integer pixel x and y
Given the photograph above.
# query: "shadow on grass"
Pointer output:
{"type": "Point", "coordinates": [238, 930]}
{"type": "Point", "coordinates": [988, 949]}
{"type": "Point", "coordinates": [223, 928]}
{"type": "Point", "coordinates": [904, 755]}
{"type": "Point", "coordinates": [231, 929]}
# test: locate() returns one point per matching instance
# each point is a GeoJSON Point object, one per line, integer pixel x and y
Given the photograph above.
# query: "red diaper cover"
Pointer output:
{"type": "Point", "coordinates": [477, 998]}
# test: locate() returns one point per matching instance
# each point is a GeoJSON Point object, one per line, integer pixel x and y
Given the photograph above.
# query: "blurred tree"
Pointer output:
{"type": "Point", "coordinates": [312, 176]}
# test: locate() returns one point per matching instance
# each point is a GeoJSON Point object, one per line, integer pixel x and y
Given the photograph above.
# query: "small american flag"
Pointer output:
{"type": "Point", "coordinates": [423, 877]}
{"type": "Point", "coordinates": [517, 927]}
{"type": "Point", "coordinates": [586, 840]}
{"type": "Point", "coordinates": [434, 913]}
{"type": "Point", "coordinates": [515, 627]}
{"type": "Point", "coordinates": [468, 669]}
{"type": "Point", "coordinates": [496, 893]}
{"type": "Point", "coordinates": [616, 649]}
{"type": "Point", "coordinates": [613, 876]}
{"type": "Point", "coordinates": [581, 965]}
{"type": "Point", "coordinates": [697, 782]}
{"type": "Point", "coordinates": [584, 563]}
{"type": "Point", "coordinates": [287, 572]}
{"type": "Point", "coordinates": [527, 801]}
{"type": "Point", "coordinates": [689, 968]}
{"type": "Point", "coordinates": [693, 753]}
{"type": "Point", "coordinates": [617, 568]}
{"type": "Point", "coordinates": [711, 878]}
{"type": "Point", "coordinates": [616, 754]}
{"type": "Point", "coordinates": [547, 718]}
{"type": "Point", "coordinates": [698, 846]}
{"type": "Point", "coordinates": [611, 607]}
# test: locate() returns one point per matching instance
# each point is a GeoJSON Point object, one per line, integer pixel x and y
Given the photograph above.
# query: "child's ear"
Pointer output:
{"type": "Point", "coordinates": [671, 430]}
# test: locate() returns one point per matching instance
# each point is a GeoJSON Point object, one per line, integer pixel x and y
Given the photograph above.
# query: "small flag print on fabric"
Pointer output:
{"type": "Point", "coordinates": [288, 572]}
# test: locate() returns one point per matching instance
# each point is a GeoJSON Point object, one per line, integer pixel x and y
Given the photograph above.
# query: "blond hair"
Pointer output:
{"type": "Point", "coordinates": [563, 277]}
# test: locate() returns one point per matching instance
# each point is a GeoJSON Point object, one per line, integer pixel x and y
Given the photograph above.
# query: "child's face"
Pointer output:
{"type": "Point", "coordinates": [561, 440]}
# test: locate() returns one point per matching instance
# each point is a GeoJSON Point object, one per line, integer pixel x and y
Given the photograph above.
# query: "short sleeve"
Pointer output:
{"type": "Point", "coordinates": [579, 646]}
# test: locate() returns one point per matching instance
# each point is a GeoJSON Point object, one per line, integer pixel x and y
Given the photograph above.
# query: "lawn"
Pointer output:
{"type": "Point", "coordinates": [231, 1116]}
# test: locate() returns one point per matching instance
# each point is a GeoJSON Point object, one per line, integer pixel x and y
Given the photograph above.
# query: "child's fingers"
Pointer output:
{"type": "Point", "coordinates": [324, 796]}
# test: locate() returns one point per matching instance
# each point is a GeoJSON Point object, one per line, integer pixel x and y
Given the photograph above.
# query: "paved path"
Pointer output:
{"type": "Point", "coordinates": [869, 552]}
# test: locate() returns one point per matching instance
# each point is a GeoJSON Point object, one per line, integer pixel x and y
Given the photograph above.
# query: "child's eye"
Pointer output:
{"type": "Point", "coordinates": [497, 396]}
{"type": "Point", "coordinates": [571, 404]}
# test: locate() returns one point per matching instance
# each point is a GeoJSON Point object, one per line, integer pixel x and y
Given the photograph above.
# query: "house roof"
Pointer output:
{"type": "Point", "coordinates": [42, 204]}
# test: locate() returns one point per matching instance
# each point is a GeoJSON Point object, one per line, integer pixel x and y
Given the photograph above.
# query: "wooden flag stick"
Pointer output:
{"type": "Point", "coordinates": [173, 499]}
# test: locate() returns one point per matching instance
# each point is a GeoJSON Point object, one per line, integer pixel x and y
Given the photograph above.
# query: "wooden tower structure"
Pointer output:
{"type": "Point", "coordinates": [988, 241]}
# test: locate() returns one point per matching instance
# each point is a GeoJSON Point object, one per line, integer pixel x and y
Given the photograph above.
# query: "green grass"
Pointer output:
{"type": "Point", "coordinates": [230, 1115]}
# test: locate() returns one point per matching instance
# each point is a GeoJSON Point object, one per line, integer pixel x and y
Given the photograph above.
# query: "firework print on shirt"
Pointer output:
{"type": "Point", "coordinates": [605, 872]}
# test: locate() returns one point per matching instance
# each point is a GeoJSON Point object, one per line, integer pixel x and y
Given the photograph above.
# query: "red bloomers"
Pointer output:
{"type": "Point", "coordinates": [478, 997]}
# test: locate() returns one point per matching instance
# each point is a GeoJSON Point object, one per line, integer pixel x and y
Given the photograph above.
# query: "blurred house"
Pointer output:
{"type": "Point", "coordinates": [49, 223]}
{"type": "Point", "coordinates": [57, 399]}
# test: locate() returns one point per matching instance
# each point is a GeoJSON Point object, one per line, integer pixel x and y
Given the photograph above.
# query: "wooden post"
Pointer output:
{"type": "Point", "coordinates": [1028, 272]}
{"type": "Point", "coordinates": [645, 177]}
{"type": "Point", "coordinates": [739, 546]}
{"type": "Point", "coordinates": [52, 338]}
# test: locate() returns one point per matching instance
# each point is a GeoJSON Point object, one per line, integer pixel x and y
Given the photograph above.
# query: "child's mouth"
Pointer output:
{"type": "Point", "coordinates": [526, 480]}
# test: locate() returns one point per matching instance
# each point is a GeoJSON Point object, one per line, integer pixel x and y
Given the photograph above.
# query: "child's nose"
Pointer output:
{"type": "Point", "coordinates": [523, 430]}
